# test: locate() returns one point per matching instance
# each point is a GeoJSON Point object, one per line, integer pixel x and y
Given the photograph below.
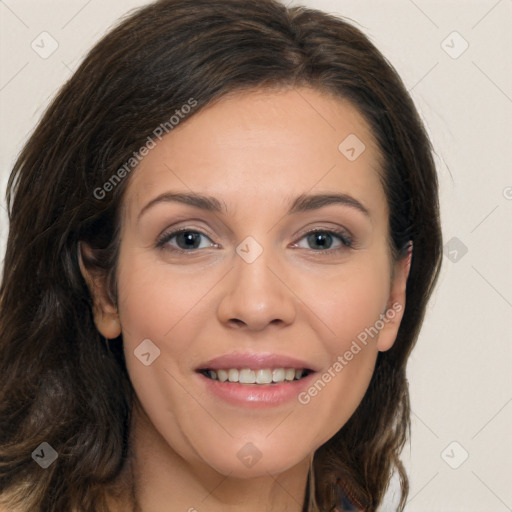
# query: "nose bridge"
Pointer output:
{"type": "Point", "coordinates": [253, 264]}
{"type": "Point", "coordinates": [255, 295]}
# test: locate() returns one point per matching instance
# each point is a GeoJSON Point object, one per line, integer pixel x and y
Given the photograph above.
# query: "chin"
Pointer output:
{"type": "Point", "coordinates": [248, 461]}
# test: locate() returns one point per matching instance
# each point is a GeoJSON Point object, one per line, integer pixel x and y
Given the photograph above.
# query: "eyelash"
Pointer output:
{"type": "Point", "coordinates": [167, 236]}
{"type": "Point", "coordinates": [344, 237]}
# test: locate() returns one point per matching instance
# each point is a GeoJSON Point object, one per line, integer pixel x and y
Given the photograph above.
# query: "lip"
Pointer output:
{"type": "Point", "coordinates": [255, 361]}
{"type": "Point", "coordinates": [256, 395]}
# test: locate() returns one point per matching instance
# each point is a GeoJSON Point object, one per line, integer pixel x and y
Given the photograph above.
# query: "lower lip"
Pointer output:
{"type": "Point", "coordinates": [257, 395]}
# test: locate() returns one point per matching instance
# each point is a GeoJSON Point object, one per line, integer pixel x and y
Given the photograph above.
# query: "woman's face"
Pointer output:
{"type": "Point", "coordinates": [281, 263]}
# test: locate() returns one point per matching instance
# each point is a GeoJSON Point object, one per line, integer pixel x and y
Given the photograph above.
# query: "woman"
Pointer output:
{"type": "Point", "coordinates": [223, 236]}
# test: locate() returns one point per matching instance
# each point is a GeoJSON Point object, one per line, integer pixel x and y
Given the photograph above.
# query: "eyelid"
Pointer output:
{"type": "Point", "coordinates": [344, 235]}
{"type": "Point", "coordinates": [335, 230]}
{"type": "Point", "coordinates": [170, 233]}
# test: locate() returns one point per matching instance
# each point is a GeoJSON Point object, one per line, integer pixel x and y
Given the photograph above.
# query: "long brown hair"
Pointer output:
{"type": "Point", "coordinates": [59, 382]}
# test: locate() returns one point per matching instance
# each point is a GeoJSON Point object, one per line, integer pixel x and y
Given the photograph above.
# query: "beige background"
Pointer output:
{"type": "Point", "coordinates": [460, 373]}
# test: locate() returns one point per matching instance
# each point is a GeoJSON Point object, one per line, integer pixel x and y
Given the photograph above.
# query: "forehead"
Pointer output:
{"type": "Point", "coordinates": [275, 144]}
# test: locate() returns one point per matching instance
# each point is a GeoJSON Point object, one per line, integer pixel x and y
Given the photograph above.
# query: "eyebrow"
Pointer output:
{"type": "Point", "coordinates": [306, 202]}
{"type": "Point", "coordinates": [207, 203]}
{"type": "Point", "coordinates": [302, 203]}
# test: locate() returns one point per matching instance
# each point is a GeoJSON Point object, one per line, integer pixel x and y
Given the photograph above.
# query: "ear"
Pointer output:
{"type": "Point", "coordinates": [395, 308]}
{"type": "Point", "coordinates": [105, 313]}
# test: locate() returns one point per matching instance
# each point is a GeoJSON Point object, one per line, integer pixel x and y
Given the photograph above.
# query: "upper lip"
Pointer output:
{"type": "Point", "coordinates": [254, 361]}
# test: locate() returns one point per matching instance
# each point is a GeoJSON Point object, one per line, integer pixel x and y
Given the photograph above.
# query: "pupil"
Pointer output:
{"type": "Point", "coordinates": [189, 239]}
{"type": "Point", "coordinates": [323, 241]}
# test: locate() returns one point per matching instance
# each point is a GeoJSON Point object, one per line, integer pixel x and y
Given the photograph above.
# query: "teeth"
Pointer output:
{"type": "Point", "coordinates": [247, 376]}
{"type": "Point", "coordinates": [261, 376]}
{"type": "Point", "coordinates": [278, 375]}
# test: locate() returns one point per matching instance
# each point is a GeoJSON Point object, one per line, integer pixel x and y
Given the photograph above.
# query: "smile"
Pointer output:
{"type": "Point", "coordinates": [259, 376]}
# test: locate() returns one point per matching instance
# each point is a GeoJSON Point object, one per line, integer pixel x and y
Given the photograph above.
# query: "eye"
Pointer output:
{"type": "Point", "coordinates": [324, 240]}
{"type": "Point", "coordinates": [185, 240]}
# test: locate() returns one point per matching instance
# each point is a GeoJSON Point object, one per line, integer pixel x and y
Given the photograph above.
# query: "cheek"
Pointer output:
{"type": "Point", "coordinates": [167, 309]}
{"type": "Point", "coordinates": [163, 308]}
{"type": "Point", "coordinates": [347, 300]}
{"type": "Point", "coordinates": [155, 301]}
{"type": "Point", "coordinates": [349, 305]}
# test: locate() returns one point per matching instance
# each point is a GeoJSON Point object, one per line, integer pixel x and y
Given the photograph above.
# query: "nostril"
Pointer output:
{"type": "Point", "coordinates": [237, 322]}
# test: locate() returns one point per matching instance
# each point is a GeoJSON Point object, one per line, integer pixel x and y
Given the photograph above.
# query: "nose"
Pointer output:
{"type": "Point", "coordinates": [256, 295]}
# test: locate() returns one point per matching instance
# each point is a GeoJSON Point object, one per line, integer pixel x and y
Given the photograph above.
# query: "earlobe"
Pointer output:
{"type": "Point", "coordinates": [108, 325]}
{"type": "Point", "coordinates": [105, 314]}
{"type": "Point", "coordinates": [394, 313]}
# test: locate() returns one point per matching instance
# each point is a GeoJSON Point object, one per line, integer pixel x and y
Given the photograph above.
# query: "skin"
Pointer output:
{"type": "Point", "coordinates": [255, 152]}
